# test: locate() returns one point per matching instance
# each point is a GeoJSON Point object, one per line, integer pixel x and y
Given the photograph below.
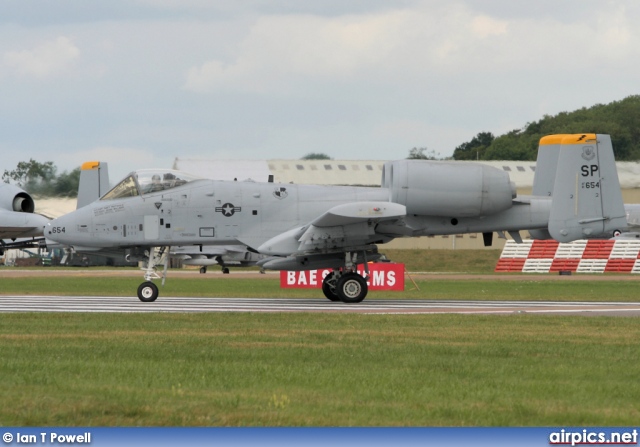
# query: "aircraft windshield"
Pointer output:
{"type": "Point", "coordinates": [160, 180]}
{"type": "Point", "coordinates": [126, 188]}
{"type": "Point", "coordinates": [148, 181]}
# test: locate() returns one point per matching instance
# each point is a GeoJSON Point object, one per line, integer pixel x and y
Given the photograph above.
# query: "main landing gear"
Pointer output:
{"type": "Point", "coordinates": [148, 291]}
{"type": "Point", "coordinates": [346, 285]}
{"type": "Point", "coordinates": [203, 270]}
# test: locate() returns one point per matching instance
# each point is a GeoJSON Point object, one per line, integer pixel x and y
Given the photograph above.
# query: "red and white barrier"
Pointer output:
{"type": "Point", "coordinates": [382, 276]}
{"type": "Point", "coordinates": [593, 256]}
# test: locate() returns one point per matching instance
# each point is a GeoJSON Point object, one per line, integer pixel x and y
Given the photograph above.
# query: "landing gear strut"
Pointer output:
{"type": "Point", "coordinates": [329, 286]}
{"type": "Point", "coordinates": [225, 269]}
{"type": "Point", "coordinates": [148, 291]}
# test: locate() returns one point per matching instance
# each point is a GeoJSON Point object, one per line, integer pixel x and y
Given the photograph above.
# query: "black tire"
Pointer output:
{"type": "Point", "coordinates": [147, 292]}
{"type": "Point", "coordinates": [225, 270]}
{"type": "Point", "coordinates": [329, 292]}
{"type": "Point", "coordinates": [351, 288]}
{"type": "Point", "coordinates": [203, 270]}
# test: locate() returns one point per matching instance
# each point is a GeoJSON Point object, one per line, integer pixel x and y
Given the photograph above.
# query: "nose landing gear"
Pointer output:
{"type": "Point", "coordinates": [148, 291]}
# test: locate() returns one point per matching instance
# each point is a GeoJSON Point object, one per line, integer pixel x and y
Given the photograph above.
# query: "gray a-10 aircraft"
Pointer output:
{"type": "Point", "coordinates": [576, 195]}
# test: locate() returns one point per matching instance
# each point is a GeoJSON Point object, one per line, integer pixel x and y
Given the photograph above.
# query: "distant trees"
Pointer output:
{"type": "Point", "coordinates": [316, 156]}
{"type": "Point", "coordinates": [30, 172]}
{"type": "Point", "coordinates": [418, 153]}
{"type": "Point", "coordinates": [41, 179]}
{"type": "Point", "coordinates": [66, 184]}
{"type": "Point", "coordinates": [474, 149]}
{"type": "Point", "coordinates": [620, 119]}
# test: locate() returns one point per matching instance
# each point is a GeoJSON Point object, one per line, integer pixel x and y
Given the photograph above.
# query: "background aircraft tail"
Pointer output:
{"type": "Point", "coordinates": [94, 182]}
{"type": "Point", "coordinates": [546, 163]}
{"type": "Point", "coordinates": [586, 198]}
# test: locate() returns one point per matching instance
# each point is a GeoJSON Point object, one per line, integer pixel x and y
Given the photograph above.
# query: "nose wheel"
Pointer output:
{"type": "Point", "coordinates": [147, 292]}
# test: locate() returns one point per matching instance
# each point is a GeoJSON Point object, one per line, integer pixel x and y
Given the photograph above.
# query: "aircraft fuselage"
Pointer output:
{"type": "Point", "coordinates": [208, 212]}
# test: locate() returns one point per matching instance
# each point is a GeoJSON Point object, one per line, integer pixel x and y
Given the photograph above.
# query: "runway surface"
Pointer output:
{"type": "Point", "coordinates": [176, 305]}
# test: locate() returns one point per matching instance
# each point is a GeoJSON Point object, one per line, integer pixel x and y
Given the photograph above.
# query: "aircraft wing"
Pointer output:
{"type": "Point", "coordinates": [353, 213]}
{"type": "Point", "coordinates": [14, 224]}
{"type": "Point", "coordinates": [346, 225]}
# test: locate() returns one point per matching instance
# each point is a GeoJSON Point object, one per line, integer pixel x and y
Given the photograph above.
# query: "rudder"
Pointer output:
{"type": "Point", "coordinates": [586, 200]}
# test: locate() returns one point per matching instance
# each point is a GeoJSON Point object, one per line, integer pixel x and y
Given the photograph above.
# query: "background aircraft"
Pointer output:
{"type": "Point", "coordinates": [302, 227]}
{"type": "Point", "coordinates": [17, 219]}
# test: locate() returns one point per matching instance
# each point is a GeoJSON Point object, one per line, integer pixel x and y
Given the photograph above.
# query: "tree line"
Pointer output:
{"type": "Point", "coordinates": [43, 179]}
{"type": "Point", "coordinates": [620, 119]}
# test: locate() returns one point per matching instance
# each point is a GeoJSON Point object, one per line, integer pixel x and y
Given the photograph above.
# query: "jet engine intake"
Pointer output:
{"type": "Point", "coordinates": [436, 188]}
{"type": "Point", "coordinates": [23, 203]}
{"type": "Point", "coordinates": [16, 199]}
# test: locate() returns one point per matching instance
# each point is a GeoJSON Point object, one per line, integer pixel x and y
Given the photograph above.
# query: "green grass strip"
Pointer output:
{"type": "Point", "coordinates": [492, 288]}
{"type": "Point", "coordinates": [318, 370]}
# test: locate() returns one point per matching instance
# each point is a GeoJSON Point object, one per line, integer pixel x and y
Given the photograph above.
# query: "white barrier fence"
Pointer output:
{"type": "Point", "coordinates": [593, 256]}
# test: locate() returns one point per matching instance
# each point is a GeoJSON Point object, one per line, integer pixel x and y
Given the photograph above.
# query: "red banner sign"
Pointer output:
{"type": "Point", "coordinates": [382, 276]}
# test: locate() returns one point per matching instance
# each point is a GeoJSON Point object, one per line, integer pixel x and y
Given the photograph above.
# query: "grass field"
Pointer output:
{"type": "Point", "coordinates": [539, 287]}
{"type": "Point", "coordinates": [467, 261]}
{"type": "Point", "coordinates": [318, 370]}
{"type": "Point", "coordinates": [228, 369]}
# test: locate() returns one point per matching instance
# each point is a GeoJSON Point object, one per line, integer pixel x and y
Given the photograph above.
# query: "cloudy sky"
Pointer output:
{"type": "Point", "coordinates": [139, 82]}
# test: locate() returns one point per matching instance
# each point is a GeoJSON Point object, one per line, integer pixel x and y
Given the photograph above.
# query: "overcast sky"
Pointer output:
{"type": "Point", "coordinates": [138, 82]}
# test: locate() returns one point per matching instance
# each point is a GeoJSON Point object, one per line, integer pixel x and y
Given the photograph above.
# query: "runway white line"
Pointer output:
{"type": "Point", "coordinates": [192, 304]}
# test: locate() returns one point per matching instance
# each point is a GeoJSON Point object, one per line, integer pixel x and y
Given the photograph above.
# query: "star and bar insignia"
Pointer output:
{"type": "Point", "coordinates": [228, 209]}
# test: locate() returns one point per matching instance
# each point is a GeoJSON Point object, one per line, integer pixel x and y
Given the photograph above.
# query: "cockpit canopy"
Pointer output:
{"type": "Point", "coordinates": [146, 181]}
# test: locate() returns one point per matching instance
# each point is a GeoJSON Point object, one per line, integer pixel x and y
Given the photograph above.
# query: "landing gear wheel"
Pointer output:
{"type": "Point", "coordinates": [225, 270]}
{"type": "Point", "coordinates": [328, 290]}
{"type": "Point", "coordinates": [203, 270]}
{"type": "Point", "coordinates": [147, 292]}
{"type": "Point", "coordinates": [351, 288]}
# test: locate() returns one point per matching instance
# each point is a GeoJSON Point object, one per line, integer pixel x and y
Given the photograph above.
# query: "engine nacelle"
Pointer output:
{"type": "Point", "coordinates": [436, 188]}
{"type": "Point", "coordinates": [16, 199]}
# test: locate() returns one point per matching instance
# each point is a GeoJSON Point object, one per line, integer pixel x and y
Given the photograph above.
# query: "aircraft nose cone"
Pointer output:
{"type": "Point", "coordinates": [70, 229]}
{"type": "Point", "coordinates": [56, 230]}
